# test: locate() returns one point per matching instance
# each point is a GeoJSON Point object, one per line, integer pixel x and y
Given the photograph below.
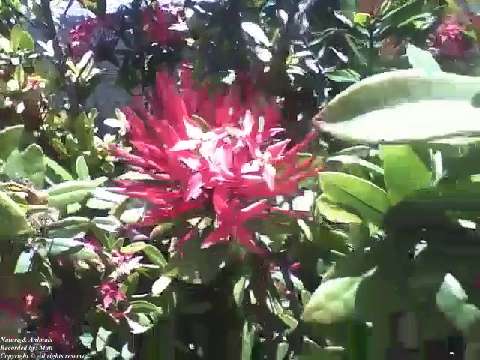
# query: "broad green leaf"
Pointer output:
{"type": "Point", "coordinates": [21, 39]}
{"type": "Point", "coordinates": [111, 353]}
{"type": "Point", "coordinates": [86, 339]}
{"type": "Point", "coordinates": [10, 140]}
{"type": "Point", "coordinates": [397, 106]}
{"type": "Point", "coordinates": [333, 301]}
{"type": "Point", "coordinates": [63, 246]}
{"type": "Point", "coordinates": [12, 218]}
{"type": "Point", "coordinates": [357, 194]}
{"type": "Point", "coordinates": [126, 353]}
{"type": "Point", "coordinates": [28, 164]}
{"type": "Point", "coordinates": [160, 285]}
{"type": "Point", "coordinates": [69, 227]}
{"type": "Point", "coordinates": [70, 192]}
{"type": "Point", "coordinates": [453, 302]}
{"type": "Point", "coordinates": [404, 171]}
{"type": "Point", "coordinates": [24, 262]}
{"type": "Point", "coordinates": [101, 339]}
{"type": "Point", "coordinates": [333, 213]}
{"type": "Point", "coordinates": [422, 60]}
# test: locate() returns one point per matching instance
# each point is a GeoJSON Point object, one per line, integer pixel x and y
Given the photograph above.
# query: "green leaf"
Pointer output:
{"type": "Point", "coordinates": [282, 350]}
{"type": "Point", "coordinates": [27, 164]}
{"type": "Point", "coordinates": [333, 301]}
{"type": "Point", "coordinates": [111, 353]}
{"type": "Point", "coordinates": [12, 218]}
{"type": "Point", "coordinates": [5, 44]}
{"type": "Point", "coordinates": [357, 194]}
{"type": "Point", "coordinates": [101, 339]}
{"type": "Point", "coordinates": [333, 213]}
{"type": "Point", "coordinates": [10, 140]}
{"type": "Point", "coordinates": [397, 106]}
{"type": "Point", "coordinates": [145, 307]}
{"type": "Point", "coordinates": [21, 39]}
{"type": "Point", "coordinates": [362, 19]}
{"type": "Point", "coordinates": [248, 340]}
{"type": "Point", "coordinates": [86, 339]}
{"type": "Point", "coordinates": [63, 246]}
{"type": "Point", "coordinates": [404, 171]}
{"type": "Point", "coordinates": [24, 262]}
{"type": "Point", "coordinates": [55, 172]}
{"type": "Point", "coordinates": [256, 32]}
{"type": "Point", "coordinates": [153, 253]}
{"type": "Point", "coordinates": [81, 169]}
{"type": "Point", "coordinates": [352, 162]}
{"type": "Point", "coordinates": [239, 290]}
{"type": "Point", "coordinates": [344, 76]}
{"type": "Point", "coordinates": [126, 353]}
{"type": "Point", "coordinates": [70, 192]}
{"type": "Point", "coordinates": [452, 301]}
{"type": "Point", "coordinates": [139, 323]}
{"type": "Point", "coordinates": [422, 60]}
{"type": "Point", "coordinates": [160, 285]}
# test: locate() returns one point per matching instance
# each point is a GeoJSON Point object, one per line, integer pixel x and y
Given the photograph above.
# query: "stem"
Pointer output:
{"type": "Point", "coordinates": [371, 49]}
{"type": "Point", "coordinates": [296, 337]}
{"type": "Point", "coordinates": [101, 8]}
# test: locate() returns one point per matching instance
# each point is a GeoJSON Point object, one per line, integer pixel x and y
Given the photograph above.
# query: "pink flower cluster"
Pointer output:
{"type": "Point", "coordinates": [157, 23]}
{"type": "Point", "coordinates": [84, 36]}
{"type": "Point", "coordinates": [450, 39]}
{"type": "Point", "coordinates": [156, 26]}
{"type": "Point", "coordinates": [110, 295]}
{"type": "Point", "coordinates": [211, 153]}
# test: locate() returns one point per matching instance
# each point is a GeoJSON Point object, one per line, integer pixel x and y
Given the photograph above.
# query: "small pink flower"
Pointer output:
{"type": "Point", "coordinates": [30, 303]}
{"type": "Point", "coordinates": [91, 243]}
{"type": "Point", "coordinates": [110, 294]}
{"type": "Point", "coordinates": [119, 258]}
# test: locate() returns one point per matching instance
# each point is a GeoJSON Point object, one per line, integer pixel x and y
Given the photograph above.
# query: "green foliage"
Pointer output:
{"type": "Point", "coordinates": [452, 301]}
{"type": "Point", "coordinates": [403, 201]}
{"type": "Point", "coordinates": [357, 194]}
{"type": "Point", "coordinates": [333, 301]}
{"type": "Point", "coordinates": [12, 218]}
{"type": "Point", "coordinates": [396, 103]}
{"type": "Point", "coordinates": [27, 164]}
{"type": "Point", "coordinates": [405, 172]}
